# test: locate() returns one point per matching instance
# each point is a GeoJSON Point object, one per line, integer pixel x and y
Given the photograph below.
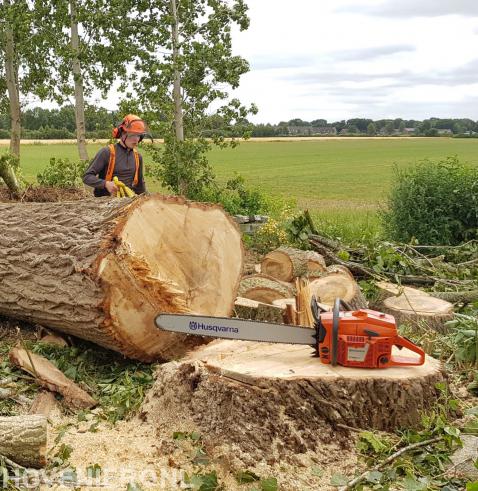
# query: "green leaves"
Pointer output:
{"type": "Point", "coordinates": [203, 482]}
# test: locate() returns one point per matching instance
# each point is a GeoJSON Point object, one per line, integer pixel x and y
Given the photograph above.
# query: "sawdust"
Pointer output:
{"type": "Point", "coordinates": [145, 453]}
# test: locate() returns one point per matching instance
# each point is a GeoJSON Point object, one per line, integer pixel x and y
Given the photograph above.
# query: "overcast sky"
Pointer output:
{"type": "Point", "coordinates": [339, 59]}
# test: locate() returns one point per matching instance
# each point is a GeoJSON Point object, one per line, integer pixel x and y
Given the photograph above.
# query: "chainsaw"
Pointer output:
{"type": "Point", "coordinates": [352, 338]}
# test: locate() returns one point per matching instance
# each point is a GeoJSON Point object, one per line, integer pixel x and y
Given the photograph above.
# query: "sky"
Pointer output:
{"type": "Point", "coordinates": [340, 59]}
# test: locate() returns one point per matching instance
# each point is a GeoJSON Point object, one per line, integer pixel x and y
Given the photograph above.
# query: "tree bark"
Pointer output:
{"type": "Point", "coordinates": [272, 402]}
{"type": "Point", "coordinates": [78, 80]}
{"type": "Point", "coordinates": [23, 439]}
{"type": "Point", "coordinates": [102, 269]}
{"type": "Point", "coordinates": [244, 308]}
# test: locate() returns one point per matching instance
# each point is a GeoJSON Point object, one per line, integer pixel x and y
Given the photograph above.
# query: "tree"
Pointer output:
{"type": "Point", "coordinates": [371, 129]}
{"type": "Point", "coordinates": [185, 62]}
{"type": "Point", "coordinates": [389, 127]}
{"type": "Point", "coordinates": [83, 35]}
{"type": "Point", "coordinates": [24, 66]}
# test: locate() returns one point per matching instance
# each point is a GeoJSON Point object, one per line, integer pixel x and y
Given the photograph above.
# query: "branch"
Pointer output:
{"type": "Point", "coordinates": [392, 457]}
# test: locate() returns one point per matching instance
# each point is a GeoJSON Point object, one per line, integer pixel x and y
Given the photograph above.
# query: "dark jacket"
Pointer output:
{"type": "Point", "coordinates": [124, 169]}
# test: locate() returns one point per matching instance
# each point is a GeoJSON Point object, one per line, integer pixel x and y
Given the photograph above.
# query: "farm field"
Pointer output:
{"type": "Point", "coordinates": [340, 181]}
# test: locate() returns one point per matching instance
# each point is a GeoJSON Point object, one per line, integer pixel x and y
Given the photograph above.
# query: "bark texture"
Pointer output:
{"type": "Point", "coordinates": [102, 269]}
{"type": "Point", "coordinates": [270, 402]}
{"type": "Point", "coordinates": [23, 439]}
{"type": "Point", "coordinates": [245, 308]}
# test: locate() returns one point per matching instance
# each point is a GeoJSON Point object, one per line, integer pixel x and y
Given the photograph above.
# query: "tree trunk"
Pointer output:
{"type": "Point", "coordinates": [102, 269]}
{"type": "Point", "coordinates": [264, 288]}
{"type": "Point", "coordinates": [273, 401]}
{"type": "Point", "coordinates": [286, 263]}
{"type": "Point", "coordinates": [23, 439]}
{"type": "Point", "coordinates": [79, 100]}
{"type": "Point", "coordinates": [11, 75]}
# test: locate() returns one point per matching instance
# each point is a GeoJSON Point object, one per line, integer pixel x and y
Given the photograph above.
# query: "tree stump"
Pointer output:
{"type": "Point", "coordinates": [102, 269]}
{"type": "Point", "coordinates": [414, 309]}
{"type": "Point", "coordinates": [287, 263]}
{"type": "Point", "coordinates": [23, 439]}
{"type": "Point", "coordinates": [272, 401]}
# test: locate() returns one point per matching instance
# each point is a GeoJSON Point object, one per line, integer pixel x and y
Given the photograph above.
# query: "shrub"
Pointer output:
{"type": "Point", "coordinates": [434, 203]}
{"type": "Point", "coordinates": [63, 173]}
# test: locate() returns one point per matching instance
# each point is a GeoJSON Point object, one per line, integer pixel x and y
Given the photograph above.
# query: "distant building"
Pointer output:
{"type": "Point", "coordinates": [445, 131]}
{"type": "Point", "coordinates": [409, 131]}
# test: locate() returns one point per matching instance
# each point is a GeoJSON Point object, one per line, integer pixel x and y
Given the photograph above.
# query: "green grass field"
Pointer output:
{"type": "Point", "coordinates": [341, 181]}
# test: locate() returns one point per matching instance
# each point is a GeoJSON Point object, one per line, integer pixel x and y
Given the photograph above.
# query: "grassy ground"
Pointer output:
{"type": "Point", "coordinates": [341, 181]}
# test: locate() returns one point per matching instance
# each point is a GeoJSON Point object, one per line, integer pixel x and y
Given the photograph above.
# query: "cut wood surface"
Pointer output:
{"type": "Point", "coordinates": [44, 403]}
{"type": "Point", "coordinates": [47, 375]}
{"type": "Point", "coordinates": [287, 263]}
{"type": "Point", "coordinates": [272, 401]}
{"type": "Point", "coordinates": [387, 290]}
{"type": "Point", "coordinates": [333, 286]}
{"type": "Point", "coordinates": [415, 309]}
{"type": "Point", "coordinates": [102, 269]}
{"type": "Point", "coordinates": [246, 308]}
{"type": "Point", "coordinates": [23, 439]}
{"type": "Point", "coordinates": [339, 269]}
{"type": "Point", "coordinates": [264, 288]}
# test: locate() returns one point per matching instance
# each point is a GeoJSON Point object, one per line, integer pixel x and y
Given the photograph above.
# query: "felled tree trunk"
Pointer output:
{"type": "Point", "coordinates": [244, 308]}
{"type": "Point", "coordinates": [23, 439]}
{"type": "Point", "coordinates": [102, 269]}
{"type": "Point", "coordinates": [287, 263]}
{"type": "Point", "coordinates": [273, 401]}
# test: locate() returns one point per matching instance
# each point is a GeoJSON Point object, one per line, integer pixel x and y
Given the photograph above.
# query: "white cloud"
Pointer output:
{"type": "Point", "coordinates": [336, 60]}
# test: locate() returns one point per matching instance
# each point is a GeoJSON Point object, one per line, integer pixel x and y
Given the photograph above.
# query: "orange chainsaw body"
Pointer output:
{"type": "Point", "coordinates": [363, 338]}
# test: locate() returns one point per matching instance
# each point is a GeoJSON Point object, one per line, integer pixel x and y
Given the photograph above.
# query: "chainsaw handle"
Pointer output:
{"type": "Point", "coordinates": [335, 327]}
{"type": "Point", "coordinates": [407, 360]}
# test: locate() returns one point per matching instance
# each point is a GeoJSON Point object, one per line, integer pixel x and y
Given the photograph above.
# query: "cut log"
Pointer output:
{"type": "Point", "coordinates": [245, 308]}
{"type": "Point", "coordinates": [23, 439]}
{"type": "Point", "coordinates": [102, 269]}
{"type": "Point", "coordinates": [55, 340]}
{"type": "Point", "coordinates": [333, 286]}
{"type": "Point", "coordinates": [264, 288]}
{"type": "Point", "coordinates": [465, 296]}
{"type": "Point", "coordinates": [274, 401]}
{"type": "Point", "coordinates": [44, 403]}
{"type": "Point", "coordinates": [287, 263]}
{"type": "Point", "coordinates": [47, 375]}
{"type": "Point", "coordinates": [419, 309]}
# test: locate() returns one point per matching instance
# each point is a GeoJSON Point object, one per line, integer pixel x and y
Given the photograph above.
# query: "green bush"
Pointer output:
{"type": "Point", "coordinates": [433, 203]}
{"type": "Point", "coordinates": [63, 173]}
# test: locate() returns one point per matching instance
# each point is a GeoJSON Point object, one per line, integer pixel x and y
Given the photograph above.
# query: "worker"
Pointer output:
{"type": "Point", "coordinates": [121, 160]}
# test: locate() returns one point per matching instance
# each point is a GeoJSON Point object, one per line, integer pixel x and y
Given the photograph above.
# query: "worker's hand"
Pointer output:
{"type": "Point", "coordinates": [110, 186]}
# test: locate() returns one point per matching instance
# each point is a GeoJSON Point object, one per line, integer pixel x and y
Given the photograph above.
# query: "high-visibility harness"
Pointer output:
{"type": "Point", "coordinates": [111, 165]}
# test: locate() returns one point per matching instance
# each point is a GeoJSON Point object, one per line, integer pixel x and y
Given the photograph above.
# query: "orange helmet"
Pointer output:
{"type": "Point", "coordinates": [131, 124]}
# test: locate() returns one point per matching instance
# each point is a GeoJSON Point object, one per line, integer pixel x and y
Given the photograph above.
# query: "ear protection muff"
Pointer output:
{"type": "Point", "coordinates": [116, 133]}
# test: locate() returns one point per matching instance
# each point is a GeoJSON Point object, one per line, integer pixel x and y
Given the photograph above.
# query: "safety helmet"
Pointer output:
{"type": "Point", "coordinates": [131, 124]}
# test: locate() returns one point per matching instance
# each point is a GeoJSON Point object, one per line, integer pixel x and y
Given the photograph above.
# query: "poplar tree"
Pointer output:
{"type": "Point", "coordinates": [184, 70]}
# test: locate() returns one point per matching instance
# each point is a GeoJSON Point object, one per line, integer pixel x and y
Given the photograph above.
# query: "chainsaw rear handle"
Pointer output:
{"type": "Point", "coordinates": [398, 360]}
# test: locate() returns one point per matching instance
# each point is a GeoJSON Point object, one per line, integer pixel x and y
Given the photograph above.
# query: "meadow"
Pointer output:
{"type": "Point", "coordinates": [342, 181]}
